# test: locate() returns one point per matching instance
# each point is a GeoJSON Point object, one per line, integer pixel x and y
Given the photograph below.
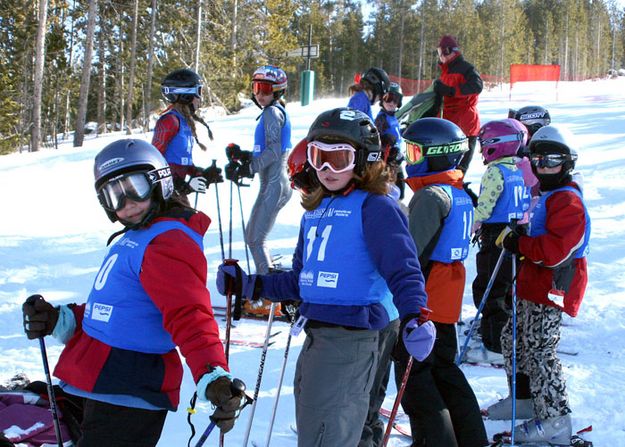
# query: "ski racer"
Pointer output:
{"type": "Point", "coordinates": [552, 279]}
{"type": "Point", "coordinates": [272, 143]}
{"type": "Point", "coordinates": [369, 88]}
{"type": "Point", "coordinates": [148, 298]}
{"type": "Point", "coordinates": [175, 131]}
{"type": "Point", "coordinates": [345, 276]}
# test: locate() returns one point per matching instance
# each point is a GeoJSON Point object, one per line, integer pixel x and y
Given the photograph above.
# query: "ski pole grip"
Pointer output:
{"type": "Point", "coordinates": [238, 388]}
{"type": "Point", "coordinates": [424, 314]}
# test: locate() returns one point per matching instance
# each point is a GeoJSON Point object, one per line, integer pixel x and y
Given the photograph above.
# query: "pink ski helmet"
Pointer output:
{"type": "Point", "coordinates": [501, 138]}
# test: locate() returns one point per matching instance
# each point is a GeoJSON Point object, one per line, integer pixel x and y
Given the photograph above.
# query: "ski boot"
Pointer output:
{"type": "Point", "coordinates": [480, 354]}
{"type": "Point", "coordinates": [554, 431]}
{"type": "Point", "coordinates": [502, 410]}
{"type": "Point", "coordinates": [261, 309]}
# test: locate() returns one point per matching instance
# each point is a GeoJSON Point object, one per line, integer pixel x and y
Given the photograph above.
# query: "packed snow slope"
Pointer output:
{"type": "Point", "coordinates": [53, 235]}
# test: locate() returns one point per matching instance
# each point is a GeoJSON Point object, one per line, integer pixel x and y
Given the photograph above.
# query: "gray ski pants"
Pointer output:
{"type": "Point", "coordinates": [538, 335]}
{"type": "Point", "coordinates": [333, 380]}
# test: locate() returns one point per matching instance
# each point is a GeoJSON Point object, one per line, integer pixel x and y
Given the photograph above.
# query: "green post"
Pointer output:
{"type": "Point", "coordinates": [307, 87]}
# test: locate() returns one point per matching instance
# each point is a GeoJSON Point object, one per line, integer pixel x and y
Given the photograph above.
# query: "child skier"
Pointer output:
{"type": "Point", "coordinates": [272, 142]}
{"type": "Point", "coordinates": [370, 88]}
{"type": "Point", "coordinates": [438, 399]}
{"type": "Point", "coordinates": [175, 131]}
{"type": "Point", "coordinates": [552, 279]}
{"type": "Point", "coordinates": [390, 137]}
{"type": "Point", "coordinates": [503, 198]}
{"type": "Point", "coordinates": [344, 274]}
{"type": "Point", "coordinates": [149, 297]}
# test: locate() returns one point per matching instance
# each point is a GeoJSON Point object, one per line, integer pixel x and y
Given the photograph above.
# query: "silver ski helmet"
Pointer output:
{"type": "Point", "coordinates": [272, 75]}
{"type": "Point", "coordinates": [345, 125]}
{"type": "Point", "coordinates": [181, 86]}
{"type": "Point", "coordinates": [552, 146]}
{"type": "Point", "coordinates": [433, 145]}
{"type": "Point", "coordinates": [132, 156]}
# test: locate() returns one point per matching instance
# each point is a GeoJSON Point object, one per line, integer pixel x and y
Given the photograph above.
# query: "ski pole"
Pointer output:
{"type": "Point", "coordinates": [514, 346]}
{"type": "Point", "coordinates": [196, 196]}
{"type": "Point", "coordinates": [247, 255]}
{"type": "Point", "coordinates": [400, 394]}
{"type": "Point", "coordinates": [489, 286]}
{"type": "Point", "coordinates": [230, 225]}
{"type": "Point", "coordinates": [237, 387]}
{"type": "Point", "coordinates": [221, 233]}
{"type": "Point", "coordinates": [423, 317]}
{"type": "Point", "coordinates": [53, 409]}
{"type": "Point", "coordinates": [229, 288]}
{"type": "Point", "coordinates": [284, 362]}
{"type": "Point", "coordinates": [259, 378]}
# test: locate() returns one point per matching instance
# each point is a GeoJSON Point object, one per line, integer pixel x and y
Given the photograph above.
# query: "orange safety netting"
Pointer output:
{"type": "Point", "coordinates": [529, 72]}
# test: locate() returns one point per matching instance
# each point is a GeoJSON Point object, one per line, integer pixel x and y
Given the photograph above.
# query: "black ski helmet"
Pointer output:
{"type": "Point", "coordinates": [345, 125]}
{"type": "Point", "coordinates": [130, 155]}
{"type": "Point", "coordinates": [181, 86]}
{"type": "Point", "coordinates": [553, 139]}
{"type": "Point", "coordinates": [436, 144]}
{"type": "Point", "coordinates": [394, 90]}
{"type": "Point", "coordinates": [378, 79]}
{"type": "Point", "coordinates": [533, 117]}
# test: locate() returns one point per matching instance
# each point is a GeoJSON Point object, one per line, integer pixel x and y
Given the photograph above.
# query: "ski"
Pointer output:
{"type": "Point", "coordinates": [402, 429]}
{"type": "Point", "coordinates": [504, 438]}
{"type": "Point", "coordinates": [246, 343]}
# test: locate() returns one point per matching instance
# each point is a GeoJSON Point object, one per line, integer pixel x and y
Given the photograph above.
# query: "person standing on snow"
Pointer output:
{"type": "Point", "coordinates": [552, 279]}
{"type": "Point", "coordinates": [370, 88]}
{"type": "Point", "coordinates": [346, 277]}
{"type": "Point", "coordinates": [390, 137]}
{"type": "Point", "coordinates": [442, 407]}
{"type": "Point", "coordinates": [504, 197]}
{"type": "Point", "coordinates": [272, 142]}
{"type": "Point", "coordinates": [175, 131]}
{"type": "Point", "coordinates": [148, 298]}
{"type": "Point", "coordinates": [457, 91]}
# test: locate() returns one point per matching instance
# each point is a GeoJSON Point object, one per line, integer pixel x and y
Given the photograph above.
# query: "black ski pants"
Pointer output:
{"type": "Point", "coordinates": [440, 403]}
{"type": "Point", "coordinates": [498, 304]}
{"type": "Point", "coordinates": [107, 425]}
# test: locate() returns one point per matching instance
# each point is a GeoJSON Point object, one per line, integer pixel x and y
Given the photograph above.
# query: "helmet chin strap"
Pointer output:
{"type": "Point", "coordinates": [151, 214]}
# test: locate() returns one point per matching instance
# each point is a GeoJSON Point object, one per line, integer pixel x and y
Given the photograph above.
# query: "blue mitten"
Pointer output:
{"type": "Point", "coordinates": [419, 338]}
{"type": "Point", "coordinates": [241, 283]}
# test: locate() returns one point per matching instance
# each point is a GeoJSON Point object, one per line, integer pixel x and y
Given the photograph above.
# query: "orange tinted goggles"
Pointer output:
{"type": "Point", "coordinates": [414, 153]}
{"type": "Point", "coordinates": [262, 88]}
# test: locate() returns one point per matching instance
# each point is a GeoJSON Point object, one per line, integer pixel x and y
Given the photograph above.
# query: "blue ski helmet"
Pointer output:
{"type": "Point", "coordinates": [433, 145]}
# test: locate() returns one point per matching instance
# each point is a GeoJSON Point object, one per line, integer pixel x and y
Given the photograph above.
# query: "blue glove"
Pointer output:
{"type": "Point", "coordinates": [241, 284]}
{"type": "Point", "coordinates": [419, 338]}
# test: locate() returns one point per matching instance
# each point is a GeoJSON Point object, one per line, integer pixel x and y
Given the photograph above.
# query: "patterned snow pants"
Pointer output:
{"type": "Point", "coordinates": [538, 335]}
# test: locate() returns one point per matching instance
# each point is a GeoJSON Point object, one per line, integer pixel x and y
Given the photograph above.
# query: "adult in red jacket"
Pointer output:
{"type": "Point", "coordinates": [552, 279]}
{"type": "Point", "coordinates": [148, 298]}
{"type": "Point", "coordinates": [457, 90]}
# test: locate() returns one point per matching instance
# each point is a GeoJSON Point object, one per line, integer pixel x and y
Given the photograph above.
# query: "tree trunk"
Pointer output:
{"type": "Point", "coordinates": [148, 93]}
{"type": "Point", "coordinates": [40, 49]}
{"type": "Point", "coordinates": [133, 64]}
{"type": "Point", "coordinates": [79, 131]}
{"type": "Point", "coordinates": [102, 78]}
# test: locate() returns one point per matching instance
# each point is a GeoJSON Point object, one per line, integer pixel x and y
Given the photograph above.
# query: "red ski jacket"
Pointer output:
{"type": "Point", "coordinates": [565, 225]}
{"type": "Point", "coordinates": [173, 274]}
{"type": "Point", "coordinates": [461, 108]}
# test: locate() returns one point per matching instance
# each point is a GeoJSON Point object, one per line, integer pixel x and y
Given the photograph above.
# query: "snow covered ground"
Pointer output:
{"type": "Point", "coordinates": [53, 234]}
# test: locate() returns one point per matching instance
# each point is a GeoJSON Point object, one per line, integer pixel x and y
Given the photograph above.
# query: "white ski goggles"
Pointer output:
{"type": "Point", "coordinates": [135, 186]}
{"type": "Point", "coordinates": [339, 157]}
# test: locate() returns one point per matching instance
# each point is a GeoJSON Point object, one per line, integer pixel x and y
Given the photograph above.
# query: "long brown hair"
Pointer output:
{"type": "Point", "coordinates": [185, 111]}
{"type": "Point", "coordinates": [374, 179]}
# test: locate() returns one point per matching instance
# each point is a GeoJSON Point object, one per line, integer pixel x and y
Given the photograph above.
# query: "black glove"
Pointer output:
{"type": "Point", "coordinates": [443, 89]}
{"type": "Point", "coordinates": [508, 239]}
{"type": "Point", "coordinates": [232, 171]}
{"type": "Point", "coordinates": [470, 192]}
{"type": "Point", "coordinates": [40, 317]}
{"type": "Point", "coordinates": [227, 401]}
{"type": "Point", "coordinates": [212, 174]}
{"type": "Point", "coordinates": [234, 153]}
{"type": "Point", "coordinates": [245, 169]}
